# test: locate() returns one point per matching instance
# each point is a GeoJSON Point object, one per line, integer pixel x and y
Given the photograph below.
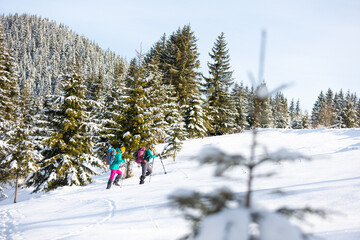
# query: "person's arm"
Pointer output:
{"type": "Point", "coordinates": [149, 155]}
{"type": "Point", "coordinates": [118, 158]}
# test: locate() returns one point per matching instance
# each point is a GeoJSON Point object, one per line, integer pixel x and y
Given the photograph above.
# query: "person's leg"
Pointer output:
{"type": "Point", "coordinates": [118, 177]}
{"type": "Point", "coordinates": [148, 170]}
{"type": "Point", "coordinates": [143, 169]}
{"type": "Point", "coordinates": [112, 174]}
{"type": "Point", "coordinates": [143, 172]}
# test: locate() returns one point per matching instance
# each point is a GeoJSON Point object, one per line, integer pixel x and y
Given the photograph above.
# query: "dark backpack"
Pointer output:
{"type": "Point", "coordinates": [139, 155]}
{"type": "Point", "coordinates": [110, 154]}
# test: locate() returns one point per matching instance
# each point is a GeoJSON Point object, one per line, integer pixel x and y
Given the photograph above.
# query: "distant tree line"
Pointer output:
{"type": "Point", "coordinates": [65, 101]}
{"type": "Point", "coordinates": [336, 110]}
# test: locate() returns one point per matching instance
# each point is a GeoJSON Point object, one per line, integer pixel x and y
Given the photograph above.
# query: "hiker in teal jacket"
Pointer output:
{"type": "Point", "coordinates": [114, 167]}
{"type": "Point", "coordinates": [145, 165]}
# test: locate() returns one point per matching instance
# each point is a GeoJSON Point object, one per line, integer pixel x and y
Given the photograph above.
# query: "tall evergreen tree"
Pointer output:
{"type": "Point", "coordinates": [24, 157]}
{"type": "Point", "coordinates": [318, 111]}
{"type": "Point", "coordinates": [305, 121]}
{"type": "Point", "coordinates": [292, 111]}
{"type": "Point", "coordinates": [110, 116]}
{"type": "Point", "coordinates": [176, 132]}
{"type": "Point", "coordinates": [217, 86]}
{"type": "Point", "coordinates": [339, 105]}
{"type": "Point", "coordinates": [350, 116]}
{"type": "Point", "coordinates": [329, 113]}
{"type": "Point", "coordinates": [136, 119]}
{"type": "Point", "coordinates": [68, 159]}
{"type": "Point", "coordinates": [280, 111]}
{"type": "Point", "coordinates": [239, 95]}
{"type": "Point", "coordinates": [195, 118]}
{"type": "Point", "coordinates": [182, 63]}
{"type": "Point", "coordinates": [9, 109]}
{"type": "Point", "coordinates": [302, 121]}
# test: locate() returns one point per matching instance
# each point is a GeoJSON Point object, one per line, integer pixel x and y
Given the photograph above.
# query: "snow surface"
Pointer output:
{"type": "Point", "coordinates": [331, 181]}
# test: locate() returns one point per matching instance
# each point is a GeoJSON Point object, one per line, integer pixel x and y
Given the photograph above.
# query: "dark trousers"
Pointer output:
{"type": "Point", "coordinates": [146, 169]}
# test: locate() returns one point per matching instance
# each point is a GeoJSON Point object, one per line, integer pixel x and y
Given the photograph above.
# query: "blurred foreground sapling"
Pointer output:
{"type": "Point", "coordinates": [224, 214]}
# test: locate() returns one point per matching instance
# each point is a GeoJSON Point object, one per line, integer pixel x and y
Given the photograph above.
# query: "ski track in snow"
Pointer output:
{"type": "Point", "coordinates": [111, 212]}
{"type": "Point", "coordinates": [8, 224]}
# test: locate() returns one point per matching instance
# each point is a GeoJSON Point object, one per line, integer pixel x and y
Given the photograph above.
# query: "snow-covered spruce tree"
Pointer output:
{"type": "Point", "coordinates": [9, 108]}
{"type": "Point", "coordinates": [295, 115]}
{"type": "Point", "coordinates": [136, 120]}
{"type": "Point", "coordinates": [174, 127]}
{"type": "Point", "coordinates": [239, 96]}
{"type": "Point", "coordinates": [305, 120]}
{"type": "Point", "coordinates": [217, 85]}
{"type": "Point", "coordinates": [24, 157]}
{"type": "Point", "coordinates": [194, 117]}
{"type": "Point", "coordinates": [329, 111]}
{"type": "Point", "coordinates": [181, 63]}
{"type": "Point", "coordinates": [280, 111]}
{"type": "Point", "coordinates": [96, 95]}
{"type": "Point", "coordinates": [297, 122]}
{"type": "Point", "coordinates": [176, 132]}
{"type": "Point", "coordinates": [223, 214]}
{"type": "Point", "coordinates": [68, 158]}
{"type": "Point", "coordinates": [160, 95]}
{"type": "Point", "coordinates": [339, 105]}
{"type": "Point", "coordinates": [318, 111]}
{"type": "Point", "coordinates": [108, 117]}
{"type": "Point", "coordinates": [177, 60]}
{"type": "Point", "coordinates": [350, 115]}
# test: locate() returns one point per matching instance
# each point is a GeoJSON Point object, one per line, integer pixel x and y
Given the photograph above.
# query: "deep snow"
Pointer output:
{"type": "Point", "coordinates": [330, 181]}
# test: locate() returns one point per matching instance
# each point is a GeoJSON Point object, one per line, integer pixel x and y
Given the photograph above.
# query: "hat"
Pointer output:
{"type": "Point", "coordinates": [152, 145]}
{"type": "Point", "coordinates": [122, 149]}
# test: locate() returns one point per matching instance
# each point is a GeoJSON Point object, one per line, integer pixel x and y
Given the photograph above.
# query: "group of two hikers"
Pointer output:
{"type": "Point", "coordinates": [145, 165]}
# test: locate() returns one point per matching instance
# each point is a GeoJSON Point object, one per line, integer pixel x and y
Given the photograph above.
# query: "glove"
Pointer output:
{"type": "Point", "coordinates": [158, 155]}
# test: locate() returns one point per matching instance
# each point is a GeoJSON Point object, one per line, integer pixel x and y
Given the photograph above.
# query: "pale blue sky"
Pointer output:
{"type": "Point", "coordinates": [313, 44]}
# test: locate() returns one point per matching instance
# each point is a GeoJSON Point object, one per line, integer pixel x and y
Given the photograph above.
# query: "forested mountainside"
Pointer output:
{"type": "Point", "coordinates": [44, 50]}
{"type": "Point", "coordinates": [65, 101]}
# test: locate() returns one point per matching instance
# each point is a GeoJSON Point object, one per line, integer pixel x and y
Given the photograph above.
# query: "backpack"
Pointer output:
{"type": "Point", "coordinates": [110, 154]}
{"type": "Point", "coordinates": [139, 155]}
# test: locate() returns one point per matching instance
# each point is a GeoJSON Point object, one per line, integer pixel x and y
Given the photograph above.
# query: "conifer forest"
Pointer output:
{"type": "Point", "coordinates": [64, 101]}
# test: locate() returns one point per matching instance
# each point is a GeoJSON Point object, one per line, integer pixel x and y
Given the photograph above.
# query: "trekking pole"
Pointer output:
{"type": "Point", "coordinates": [162, 164]}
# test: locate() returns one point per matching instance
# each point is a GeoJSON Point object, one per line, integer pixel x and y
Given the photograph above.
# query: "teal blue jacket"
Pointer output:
{"type": "Point", "coordinates": [148, 155]}
{"type": "Point", "coordinates": [117, 160]}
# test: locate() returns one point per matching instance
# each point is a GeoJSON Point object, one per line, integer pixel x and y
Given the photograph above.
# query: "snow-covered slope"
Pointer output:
{"type": "Point", "coordinates": [330, 181]}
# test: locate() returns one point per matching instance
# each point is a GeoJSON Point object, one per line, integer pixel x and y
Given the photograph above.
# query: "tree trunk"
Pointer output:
{"type": "Point", "coordinates": [16, 186]}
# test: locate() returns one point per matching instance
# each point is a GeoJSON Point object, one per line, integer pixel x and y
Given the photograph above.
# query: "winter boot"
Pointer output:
{"type": "Point", "coordinates": [142, 178]}
{"type": "Point", "coordinates": [148, 173]}
{"type": "Point", "coordinates": [117, 179]}
{"type": "Point", "coordinates": [109, 184]}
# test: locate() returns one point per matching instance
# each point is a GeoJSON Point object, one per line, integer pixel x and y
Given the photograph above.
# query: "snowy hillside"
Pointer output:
{"type": "Point", "coordinates": [330, 181]}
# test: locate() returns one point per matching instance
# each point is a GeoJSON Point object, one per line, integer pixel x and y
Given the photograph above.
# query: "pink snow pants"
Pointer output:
{"type": "Point", "coordinates": [113, 172]}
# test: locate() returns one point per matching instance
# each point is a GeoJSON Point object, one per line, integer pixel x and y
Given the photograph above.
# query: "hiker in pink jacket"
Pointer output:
{"type": "Point", "coordinates": [145, 165]}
